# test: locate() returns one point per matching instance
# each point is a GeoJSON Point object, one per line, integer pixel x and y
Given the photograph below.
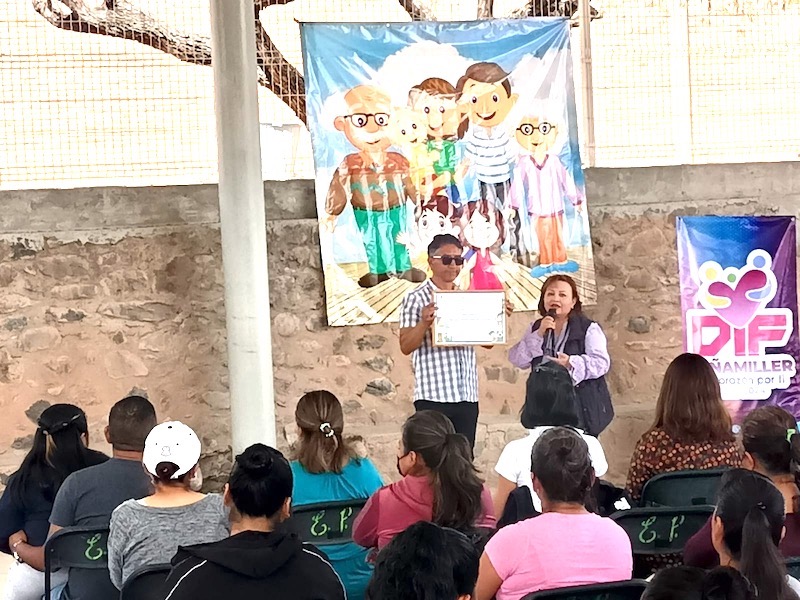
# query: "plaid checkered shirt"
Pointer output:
{"type": "Point", "coordinates": [443, 374]}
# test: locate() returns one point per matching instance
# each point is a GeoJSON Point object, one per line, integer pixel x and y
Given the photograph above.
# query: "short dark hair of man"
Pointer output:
{"type": "Point", "coordinates": [129, 422]}
{"type": "Point", "coordinates": [443, 239]}
{"type": "Point", "coordinates": [425, 562]}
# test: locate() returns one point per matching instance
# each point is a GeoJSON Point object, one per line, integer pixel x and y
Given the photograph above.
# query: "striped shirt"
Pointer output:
{"type": "Point", "coordinates": [442, 374]}
{"type": "Point", "coordinates": [490, 153]}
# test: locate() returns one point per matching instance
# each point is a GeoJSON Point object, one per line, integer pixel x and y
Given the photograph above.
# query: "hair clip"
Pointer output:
{"type": "Point", "coordinates": [327, 430]}
{"type": "Point", "coordinates": [789, 434]}
{"type": "Point", "coordinates": [762, 506]}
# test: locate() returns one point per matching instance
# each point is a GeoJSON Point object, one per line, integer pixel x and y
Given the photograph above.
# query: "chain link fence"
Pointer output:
{"type": "Point", "coordinates": [120, 92]}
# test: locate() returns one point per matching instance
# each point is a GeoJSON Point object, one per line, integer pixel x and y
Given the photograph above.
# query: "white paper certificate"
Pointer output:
{"type": "Point", "coordinates": [469, 318]}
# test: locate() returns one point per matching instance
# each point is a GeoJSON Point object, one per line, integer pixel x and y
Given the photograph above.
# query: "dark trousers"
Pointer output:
{"type": "Point", "coordinates": [464, 415]}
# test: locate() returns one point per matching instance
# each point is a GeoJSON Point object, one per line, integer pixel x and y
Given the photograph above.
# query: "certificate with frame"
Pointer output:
{"type": "Point", "coordinates": [469, 318]}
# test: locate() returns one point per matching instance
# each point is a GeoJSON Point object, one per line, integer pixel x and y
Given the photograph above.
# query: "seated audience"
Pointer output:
{"type": "Point", "coordinates": [149, 531]}
{"type": "Point", "coordinates": [87, 497]}
{"type": "Point", "coordinates": [439, 484]}
{"type": "Point", "coordinates": [549, 402]}
{"type": "Point", "coordinates": [692, 583]}
{"type": "Point", "coordinates": [566, 545]}
{"type": "Point", "coordinates": [328, 469]}
{"type": "Point", "coordinates": [746, 529]}
{"type": "Point", "coordinates": [60, 447]}
{"type": "Point", "coordinates": [259, 559]}
{"type": "Point", "coordinates": [425, 562]}
{"type": "Point", "coordinates": [772, 448]}
{"type": "Point", "coordinates": [692, 429]}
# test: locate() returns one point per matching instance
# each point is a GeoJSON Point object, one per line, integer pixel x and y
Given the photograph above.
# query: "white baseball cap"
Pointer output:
{"type": "Point", "coordinates": [171, 442]}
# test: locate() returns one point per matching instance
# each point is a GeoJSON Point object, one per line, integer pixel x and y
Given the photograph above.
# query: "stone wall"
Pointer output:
{"type": "Point", "coordinates": [107, 290]}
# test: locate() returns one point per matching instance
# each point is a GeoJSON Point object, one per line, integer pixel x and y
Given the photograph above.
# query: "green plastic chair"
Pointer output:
{"type": "Point", "coordinates": [618, 590]}
{"type": "Point", "coordinates": [683, 488]}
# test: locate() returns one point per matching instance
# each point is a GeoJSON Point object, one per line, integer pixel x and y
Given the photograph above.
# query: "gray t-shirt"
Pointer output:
{"type": "Point", "coordinates": [145, 535]}
{"type": "Point", "coordinates": [86, 499]}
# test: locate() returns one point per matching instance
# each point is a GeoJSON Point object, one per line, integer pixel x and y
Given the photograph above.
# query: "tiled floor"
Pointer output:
{"type": "Point", "coordinates": [5, 563]}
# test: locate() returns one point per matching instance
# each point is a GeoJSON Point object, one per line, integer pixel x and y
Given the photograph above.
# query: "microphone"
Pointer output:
{"type": "Point", "coordinates": [549, 341]}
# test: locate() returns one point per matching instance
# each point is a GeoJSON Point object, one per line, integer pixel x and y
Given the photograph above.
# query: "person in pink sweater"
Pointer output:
{"type": "Point", "coordinates": [439, 484]}
{"type": "Point", "coordinates": [564, 546]}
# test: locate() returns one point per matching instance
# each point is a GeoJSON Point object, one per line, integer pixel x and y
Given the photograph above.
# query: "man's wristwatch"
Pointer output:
{"type": "Point", "coordinates": [15, 554]}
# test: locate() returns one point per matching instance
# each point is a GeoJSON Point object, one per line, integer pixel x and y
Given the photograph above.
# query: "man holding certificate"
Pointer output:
{"type": "Point", "coordinates": [446, 372]}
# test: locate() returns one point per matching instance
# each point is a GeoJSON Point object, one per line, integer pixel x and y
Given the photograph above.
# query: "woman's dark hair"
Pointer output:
{"type": "Point", "coordinates": [549, 398]}
{"type": "Point", "coordinates": [260, 482]}
{"type": "Point", "coordinates": [321, 447]}
{"type": "Point", "coordinates": [725, 583]}
{"type": "Point", "coordinates": [752, 513]}
{"type": "Point", "coordinates": [689, 407]}
{"type": "Point", "coordinates": [573, 286]}
{"type": "Point", "coordinates": [691, 583]}
{"type": "Point", "coordinates": [457, 487]}
{"type": "Point", "coordinates": [425, 562]}
{"type": "Point", "coordinates": [560, 461]}
{"type": "Point", "coordinates": [676, 583]}
{"type": "Point", "coordinates": [769, 435]}
{"type": "Point", "coordinates": [58, 450]}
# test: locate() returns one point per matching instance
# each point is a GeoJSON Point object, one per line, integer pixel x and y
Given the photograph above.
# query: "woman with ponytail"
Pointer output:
{"type": "Point", "coordinates": [328, 469]}
{"type": "Point", "coordinates": [439, 484]}
{"type": "Point", "coordinates": [746, 529]}
{"type": "Point", "coordinates": [60, 447]}
{"type": "Point", "coordinates": [564, 546]}
{"type": "Point", "coordinates": [260, 559]}
{"type": "Point", "coordinates": [772, 448]}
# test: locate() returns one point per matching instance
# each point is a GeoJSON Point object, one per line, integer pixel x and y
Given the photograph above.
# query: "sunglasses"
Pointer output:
{"type": "Point", "coordinates": [447, 259]}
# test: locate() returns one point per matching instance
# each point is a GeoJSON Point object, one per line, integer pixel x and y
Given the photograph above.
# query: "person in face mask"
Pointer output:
{"type": "Point", "coordinates": [440, 484]}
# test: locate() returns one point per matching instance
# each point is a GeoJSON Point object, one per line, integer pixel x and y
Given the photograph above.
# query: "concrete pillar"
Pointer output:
{"type": "Point", "coordinates": [243, 222]}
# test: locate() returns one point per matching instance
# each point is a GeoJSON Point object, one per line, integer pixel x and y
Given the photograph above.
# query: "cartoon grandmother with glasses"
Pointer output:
{"type": "Point", "coordinates": [540, 184]}
{"type": "Point", "coordinates": [377, 183]}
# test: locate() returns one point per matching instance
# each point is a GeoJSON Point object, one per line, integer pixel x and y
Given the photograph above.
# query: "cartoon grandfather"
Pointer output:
{"type": "Point", "coordinates": [376, 183]}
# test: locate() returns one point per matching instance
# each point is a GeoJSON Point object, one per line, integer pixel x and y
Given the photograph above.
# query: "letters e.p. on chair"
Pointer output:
{"type": "Point", "coordinates": [325, 523]}
{"type": "Point", "coordinates": [75, 548]}
{"type": "Point", "coordinates": [618, 590]}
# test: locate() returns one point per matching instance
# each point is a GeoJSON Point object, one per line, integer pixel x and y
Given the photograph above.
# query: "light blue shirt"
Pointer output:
{"type": "Point", "coordinates": [358, 479]}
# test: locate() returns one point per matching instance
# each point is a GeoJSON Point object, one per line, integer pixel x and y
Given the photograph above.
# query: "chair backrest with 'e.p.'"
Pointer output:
{"type": "Point", "coordinates": [618, 590]}
{"type": "Point", "coordinates": [146, 583]}
{"type": "Point", "coordinates": [325, 523]}
{"type": "Point", "coordinates": [75, 548]}
{"type": "Point", "coordinates": [663, 530]}
{"type": "Point", "coordinates": [682, 488]}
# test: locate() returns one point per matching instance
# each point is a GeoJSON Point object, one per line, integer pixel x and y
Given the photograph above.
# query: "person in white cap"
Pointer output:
{"type": "Point", "coordinates": [149, 531]}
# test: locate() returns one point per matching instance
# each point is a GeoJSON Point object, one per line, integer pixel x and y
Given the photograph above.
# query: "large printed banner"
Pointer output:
{"type": "Point", "coordinates": [427, 128]}
{"type": "Point", "coordinates": [739, 301]}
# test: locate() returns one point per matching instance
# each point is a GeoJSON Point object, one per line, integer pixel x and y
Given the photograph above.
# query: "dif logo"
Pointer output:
{"type": "Point", "coordinates": [734, 328]}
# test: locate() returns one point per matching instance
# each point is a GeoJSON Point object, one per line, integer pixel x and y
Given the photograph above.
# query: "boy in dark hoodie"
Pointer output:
{"type": "Point", "coordinates": [259, 559]}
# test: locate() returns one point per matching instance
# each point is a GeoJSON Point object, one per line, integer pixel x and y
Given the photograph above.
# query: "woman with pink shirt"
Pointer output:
{"type": "Point", "coordinates": [564, 546]}
{"type": "Point", "coordinates": [439, 484]}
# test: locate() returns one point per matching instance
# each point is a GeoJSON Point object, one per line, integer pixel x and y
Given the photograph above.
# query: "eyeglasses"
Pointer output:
{"type": "Point", "coordinates": [544, 128]}
{"type": "Point", "coordinates": [447, 259]}
{"type": "Point", "coordinates": [361, 119]}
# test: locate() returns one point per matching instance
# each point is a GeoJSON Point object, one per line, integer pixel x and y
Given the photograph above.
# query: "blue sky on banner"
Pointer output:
{"type": "Point", "coordinates": [338, 57]}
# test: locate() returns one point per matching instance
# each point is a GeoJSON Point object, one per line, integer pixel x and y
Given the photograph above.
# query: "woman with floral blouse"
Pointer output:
{"type": "Point", "coordinates": [692, 429]}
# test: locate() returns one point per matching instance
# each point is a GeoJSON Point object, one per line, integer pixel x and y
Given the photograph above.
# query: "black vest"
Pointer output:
{"type": "Point", "coordinates": [595, 410]}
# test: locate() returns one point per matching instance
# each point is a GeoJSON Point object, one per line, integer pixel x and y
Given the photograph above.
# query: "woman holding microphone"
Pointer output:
{"type": "Point", "coordinates": [566, 336]}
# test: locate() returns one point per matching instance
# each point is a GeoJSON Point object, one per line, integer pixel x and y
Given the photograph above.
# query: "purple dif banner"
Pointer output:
{"type": "Point", "coordinates": [739, 305]}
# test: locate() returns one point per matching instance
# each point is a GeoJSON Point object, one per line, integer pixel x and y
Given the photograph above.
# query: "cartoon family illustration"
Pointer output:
{"type": "Point", "coordinates": [452, 155]}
